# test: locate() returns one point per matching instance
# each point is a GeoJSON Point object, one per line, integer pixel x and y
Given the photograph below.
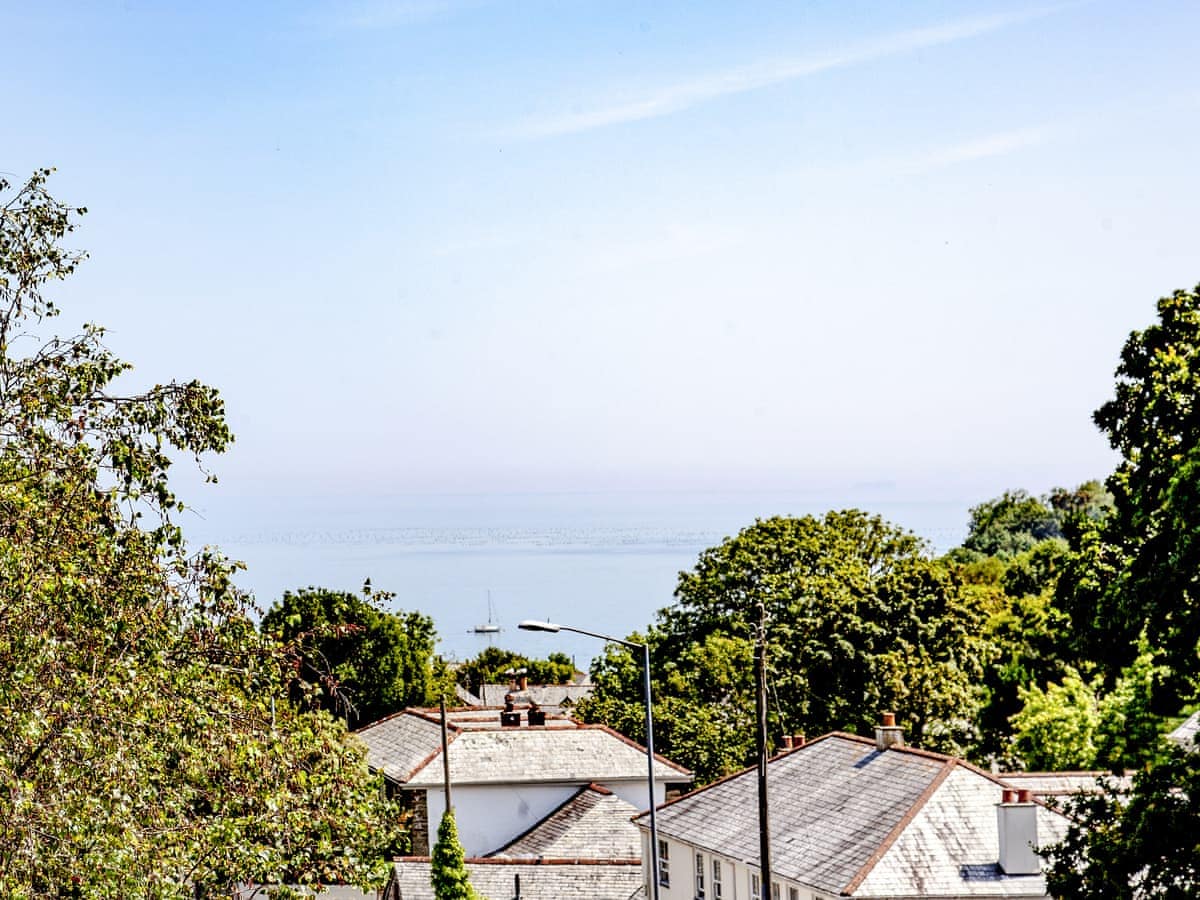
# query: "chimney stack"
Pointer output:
{"type": "Point", "coordinates": [1016, 818]}
{"type": "Point", "coordinates": [889, 734]}
{"type": "Point", "coordinates": [509, 718]}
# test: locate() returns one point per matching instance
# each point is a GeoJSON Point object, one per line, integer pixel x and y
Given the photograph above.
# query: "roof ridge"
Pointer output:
{"type": "Point", "coordinates": [947, 767]}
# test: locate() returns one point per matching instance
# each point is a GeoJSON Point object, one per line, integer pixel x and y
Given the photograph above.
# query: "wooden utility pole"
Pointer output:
{"type": "Point", "coordinates": [445, 756]}
{"type": "Point", "coordinates": [760, 705]}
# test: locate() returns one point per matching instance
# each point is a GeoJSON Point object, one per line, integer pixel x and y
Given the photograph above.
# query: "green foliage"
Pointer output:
{"type": "Point", "coordinates": [1130, 733]}
{"type": "Point", "coordinates": [1012, 523]}
{"type": "Point", "coordinates": [147, 749]}
{"type": "Point", "coordinates": [1075, 725]}
{"type": "Point", "coordinates": [1139, 567]}
{"type": "Point", "coordinates": [859, 618]}
{"type": "Point", "coordinates": [356, 658]}
{"type": "Point", "coordinates": [494, 665]}
{"type": "Point", "coordinates": [1031, 637]}
{"type": "Point", "coordinates": [1138, 846]}
{"type": "Point", "coordinates": [448, 869]}
{"type": "Point", "coordinates": [1056, 727]}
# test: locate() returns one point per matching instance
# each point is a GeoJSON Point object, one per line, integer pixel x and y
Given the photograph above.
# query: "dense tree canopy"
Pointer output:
{"type": "Point", "coordinates": [147, 748]}
{"type": "Point", "coordinates": [494, 665]}
{"type": "Point", "coordinates": [1138, 569]}
{"type": "Point", "coordinates": [859, 619]}
{"type": "Point", "coordinates": [357, 659]}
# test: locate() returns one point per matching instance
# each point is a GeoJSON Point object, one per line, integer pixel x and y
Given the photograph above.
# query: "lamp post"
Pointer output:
{"type": "Point", "coordinates": [554, 628]}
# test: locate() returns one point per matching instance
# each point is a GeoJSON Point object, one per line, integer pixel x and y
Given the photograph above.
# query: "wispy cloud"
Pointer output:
{"type": "Point", "coordinates": [999, 144]}
{"type": "Point", "coordinates": [741, 79]}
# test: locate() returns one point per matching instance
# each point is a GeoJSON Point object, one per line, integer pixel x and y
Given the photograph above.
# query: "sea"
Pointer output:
{"type": "Point", "coordinates": [604, 562]}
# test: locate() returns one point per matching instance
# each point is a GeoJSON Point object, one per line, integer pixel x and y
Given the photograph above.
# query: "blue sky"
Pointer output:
{"type": "Point", "coordinates": [471, 246]}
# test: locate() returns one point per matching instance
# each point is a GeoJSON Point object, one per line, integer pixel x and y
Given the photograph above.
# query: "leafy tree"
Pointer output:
{"type": "Point", "coordinates": [703, 701]}
{"type": "Point", "coordinates": [1136, 846]}
{"type": "Point", "coordinates": [1032, 640]}
{"type": "Point", "coordinates": [148, 748]}
{"type": "Point", "coordinates": [1075, 725]}
{"type": "Point", "coordinates": [858, 617]}
{"type": "Point", "coordinates": [1056, 728]}
{"type": "Point", "coordinates": [356, 657]}
{"type": "Point", "coordinates": [1139, 567]}
{"type": "Point", "coordinates": [1129, 732]}
{"type": "Point", "coordinates": [448, 868]}
{"type": "Point", "coordinates": [1012, 523]}
{"type": "Point", "coordinates": [494, 665]}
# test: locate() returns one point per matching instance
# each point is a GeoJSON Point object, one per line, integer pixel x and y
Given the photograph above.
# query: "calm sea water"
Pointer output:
{"type": "Point", "coordinates": [604, 562]}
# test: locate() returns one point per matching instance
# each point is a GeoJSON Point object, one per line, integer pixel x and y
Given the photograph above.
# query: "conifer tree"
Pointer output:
{"type": "Point", "coordinates": [448, 871]}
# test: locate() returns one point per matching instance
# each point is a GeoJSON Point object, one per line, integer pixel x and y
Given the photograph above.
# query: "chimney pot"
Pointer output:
{"type": "Point", "coordinates": [1008, 796]}
{"type": "Point", "coordinates": [1024, 795]}
{"type": "Point", "coordinates": [889, 734]}
{"type": "Point", "coordinates": [787, 742]}
{"type": "Point", "coordinates": [798, 740]}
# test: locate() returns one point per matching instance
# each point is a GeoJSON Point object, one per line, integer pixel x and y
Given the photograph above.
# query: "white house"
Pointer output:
{"type": "Point", "coordinates": [855, 817]}
{"type": "Point", "coordinates": [506, 778]}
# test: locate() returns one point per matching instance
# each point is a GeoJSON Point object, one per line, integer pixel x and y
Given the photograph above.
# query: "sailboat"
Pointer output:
{"type": "Point", "coordinates": [491, 626]}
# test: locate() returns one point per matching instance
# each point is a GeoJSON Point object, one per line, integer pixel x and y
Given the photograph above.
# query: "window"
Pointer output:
{"type": "Point", "coordinates": [774, 890]}
{"type": "Point", "coordinates": [793, 893]}
{"type": "Point", "coordinates": [664, 864]}
{"type": "Point", "coordinates": [755, 887]}
{"type": "Point", "coordinates": [699, 876]}
{"type": "Point", "coordinates": [716, 879]}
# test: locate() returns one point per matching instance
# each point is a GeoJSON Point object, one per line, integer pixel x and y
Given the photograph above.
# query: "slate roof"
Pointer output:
{"type": "Point", "coordinates": [595, 822]}
{"type": "Point", "coordinates": [493, 879]}
{"type": "Point", "coordinates": [407, 748]}
{"type": "Point", "coordinates": [401, 744]}
{"type": "Point", "coordinates": [550, 697]}
{"type": "Point", "coordinates": [1185, 734]}
{"type": "Point", "coordinates": [847, 818]}
{"type": "Point", "coordinates": [544, 755]}
{"type": "Point", "coordinates": [1045, 785]}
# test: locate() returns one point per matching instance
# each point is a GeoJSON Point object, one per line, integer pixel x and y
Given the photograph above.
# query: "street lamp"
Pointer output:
{"type": "Point", "coordinates": [554, 628]}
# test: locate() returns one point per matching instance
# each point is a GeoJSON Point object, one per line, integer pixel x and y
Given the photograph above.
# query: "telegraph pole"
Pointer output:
{"type": "Point", "coordinates": [760, 705]}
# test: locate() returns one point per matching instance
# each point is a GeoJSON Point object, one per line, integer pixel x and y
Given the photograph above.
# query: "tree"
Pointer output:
{"type": "Point", "coordinates": [1141, 845]}
{"type": "Point", "coordinates": [357, 659]}
{"type": "Point", "coordinates": [1139, 567]}
{"type": "Point", "coordinates": [448, 868]}
{"type": "Point", "coordinates": [1076, 725]}
{"type": "Point", "coordinates": [148, 747]}
{"type": "Point", "coordinates": [495, 665]}
{"type": "Point", "coordinates": [859, 618]}
{"type": "Point", "coordinates": [1056, 727]}
{"type": "Point", "coordinates": [1010, 524]}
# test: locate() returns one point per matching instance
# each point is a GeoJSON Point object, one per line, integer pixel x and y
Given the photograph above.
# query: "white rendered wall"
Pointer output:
{"type": "Point", "coordinates": [489, 816]}
{"type": "Point", "coordinates": [735, 875]}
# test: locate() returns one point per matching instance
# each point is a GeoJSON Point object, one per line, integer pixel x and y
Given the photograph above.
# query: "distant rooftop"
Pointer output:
{"type": "Point", "coordinates": [1062, 784]}
{"type": "Point", "coordinates": [407, 748]}
{"type": "Point", "coordinates": [1185, 734]}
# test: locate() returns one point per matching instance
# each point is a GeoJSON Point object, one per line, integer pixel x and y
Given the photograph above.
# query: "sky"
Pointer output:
{"type": "Point", "coordinates": [443, 246]}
